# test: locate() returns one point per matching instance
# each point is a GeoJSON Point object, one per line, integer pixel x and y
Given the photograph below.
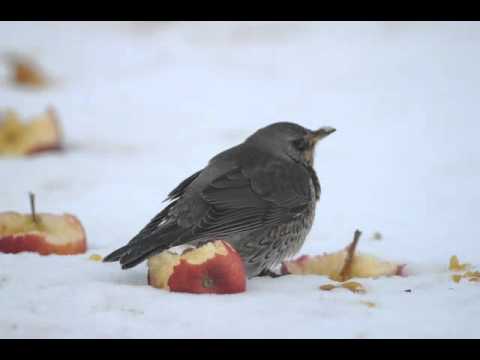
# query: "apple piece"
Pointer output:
{"type": "Point", "coordinates": [41, 134]}
{"type": "Point", "coordinates": [214, 268]}
{"type": "Point", "coordinates": [25, 72]}
{"type": "Point", "coordinates": [369, 304]}
{"type": "Point", "coordinates": [475, 274]}
{"type": "Point", "coordinates": [456, 278]}
{"type": "Point", "coordinates": [51, 234]}
{"type": "Point", "coordinates": [44, 133]}
{"type": "Point", "coordinates": [343, 265]}
{"type": "Point", "coordinates": [95, 257]}
{"type": "Point", "coordinates": [42, 233]}
{"type": "Point", "coordinates": [353, 286]}
{"type": "Point", "coordinates": [328, 287]}
{"type": "Point", "coordinates": [455, 265]}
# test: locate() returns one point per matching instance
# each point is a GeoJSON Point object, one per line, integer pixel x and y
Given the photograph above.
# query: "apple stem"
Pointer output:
{"type": "Point", "coordinates": [347, 267]}
{"type": "Point", "coordinates": [32, 206]}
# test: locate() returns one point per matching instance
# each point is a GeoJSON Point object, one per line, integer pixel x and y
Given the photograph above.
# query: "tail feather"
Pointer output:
{"type": "Point", "coordinates": [117, 254]}
{"type": "Point", "coordinates": [135, 252]}
{"type": "Point", "coordinates": [133, 259]}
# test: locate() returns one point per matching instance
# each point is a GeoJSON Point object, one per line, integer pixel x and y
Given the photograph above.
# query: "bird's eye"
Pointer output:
{"type": "Point", "coordinates": [300, 144]}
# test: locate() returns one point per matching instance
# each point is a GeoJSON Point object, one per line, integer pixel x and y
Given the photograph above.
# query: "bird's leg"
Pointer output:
{"type": "Point", "coordinates": [268, 272]}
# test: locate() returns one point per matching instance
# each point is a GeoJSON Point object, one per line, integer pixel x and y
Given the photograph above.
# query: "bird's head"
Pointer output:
{"type": "Point", "coordinates": [291, 139]}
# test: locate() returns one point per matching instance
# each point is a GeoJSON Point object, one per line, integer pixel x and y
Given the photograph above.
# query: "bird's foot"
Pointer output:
{"type": "Point", "coordinates": [268, 272]}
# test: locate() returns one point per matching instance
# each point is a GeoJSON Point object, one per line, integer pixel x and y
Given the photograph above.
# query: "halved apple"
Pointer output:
{"type": "Point", "coordinates": [343, 265]}
{"type": "Point", "coordinates": [212, 268]}
{"type": "Point", "coordinates": [48, 234]}
{"type": "Point", "coordinates": [41, 134]}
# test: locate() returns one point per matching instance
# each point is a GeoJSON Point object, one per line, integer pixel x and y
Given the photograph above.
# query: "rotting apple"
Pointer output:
{"type": "Point", "coordinates": [42, 133]}
{"type": "Point", "coordinates": [214, 268]}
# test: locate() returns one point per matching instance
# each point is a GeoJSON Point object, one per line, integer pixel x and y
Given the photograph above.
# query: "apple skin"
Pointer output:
{"type": "Point", "coordinates": [57, 234]}
{"type": "Point", "coordinates": [214, 268]}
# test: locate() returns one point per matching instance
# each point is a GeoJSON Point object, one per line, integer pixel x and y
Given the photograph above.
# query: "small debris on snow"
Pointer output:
{"type": "Point", "coordinates": [95, 257]}
{"type": "Point", "coordinates": [353, 286]}
{"type": "Point", "coordinates": [369, 304]}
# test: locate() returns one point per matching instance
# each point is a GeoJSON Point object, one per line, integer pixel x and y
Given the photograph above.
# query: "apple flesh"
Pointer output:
{"type": "Point", "coordinates": [49, 234]}
{"type": "Point", "coordinates": [343, 265]}
{"type": "Point", "coordinates": [40, 134]}
{"type": "Point", "coordinates": [331, 265]}
{"type": "Point", "coordinates": [214, 268]}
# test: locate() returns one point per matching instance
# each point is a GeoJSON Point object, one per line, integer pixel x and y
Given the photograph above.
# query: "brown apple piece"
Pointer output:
{"type": "Point", "coordinates": [25, 72]}
{"type": "Point", "coordinates": [353, 286]}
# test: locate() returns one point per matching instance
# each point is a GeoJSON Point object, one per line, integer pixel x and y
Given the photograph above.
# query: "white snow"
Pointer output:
{"type": "Point", "coordinates": [144, 105]}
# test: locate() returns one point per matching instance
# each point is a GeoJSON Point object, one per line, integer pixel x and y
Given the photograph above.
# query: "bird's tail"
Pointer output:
{"type": "Point", "coordinates": [117, 254]}
{"type": "Point", "coordinates": [139, 250]}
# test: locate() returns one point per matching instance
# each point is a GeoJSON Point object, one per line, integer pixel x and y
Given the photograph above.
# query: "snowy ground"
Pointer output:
{"type": "Point", "coordinates": [145, 105]}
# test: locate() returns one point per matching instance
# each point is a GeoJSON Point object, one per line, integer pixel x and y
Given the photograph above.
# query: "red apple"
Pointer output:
{"type": "Point", "coordinates": [48, 234]}
{"type": "Point", "coordinates": [212, 268]}
{"type": "Point", "coordinates": [41, 134]}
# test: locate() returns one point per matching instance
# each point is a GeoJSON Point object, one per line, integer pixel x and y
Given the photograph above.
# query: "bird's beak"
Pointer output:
{"type": "Point", "coordinates": [321, 133]}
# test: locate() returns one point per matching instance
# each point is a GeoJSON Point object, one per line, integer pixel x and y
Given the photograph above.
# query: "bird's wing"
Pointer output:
{"type": "Point", "coordinates": [180, 189]}
{"type": "Point", "coordinates": [238, 200]}
{"type": "Point", "coordinates": [247, 199]}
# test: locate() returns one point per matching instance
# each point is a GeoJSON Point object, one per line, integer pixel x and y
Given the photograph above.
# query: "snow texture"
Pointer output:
{"type": "Point", "coordinates": [144, 105]}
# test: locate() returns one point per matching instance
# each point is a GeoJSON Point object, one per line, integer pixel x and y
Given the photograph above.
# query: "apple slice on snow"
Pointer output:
{"type": "Point", "coordinates": [212, 268]}
{"type": "Point", "coordinates": [343, 265]}
{"type": "Point", "coordinates": [41, 134]}
{"type": "Point", "coordinates": [42, 233]}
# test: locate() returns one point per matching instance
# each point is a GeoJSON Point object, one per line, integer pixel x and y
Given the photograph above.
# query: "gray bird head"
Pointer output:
{"type": "Point", "coordinates": [290, 139]}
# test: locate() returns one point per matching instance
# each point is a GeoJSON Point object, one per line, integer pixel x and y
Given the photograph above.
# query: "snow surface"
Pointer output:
{"type": "Point", "coordinates": [144, 105]}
